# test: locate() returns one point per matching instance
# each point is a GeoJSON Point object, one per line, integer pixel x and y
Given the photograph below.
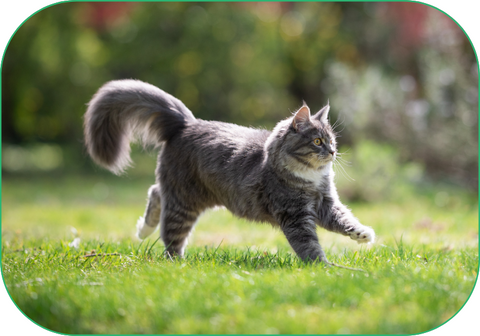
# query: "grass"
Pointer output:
{"type": "Point", "coordinates": [237, 277]}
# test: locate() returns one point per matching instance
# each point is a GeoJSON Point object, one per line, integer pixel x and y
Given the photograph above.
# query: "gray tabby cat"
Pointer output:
{"type": "Point", "coordinates": [283, 177]}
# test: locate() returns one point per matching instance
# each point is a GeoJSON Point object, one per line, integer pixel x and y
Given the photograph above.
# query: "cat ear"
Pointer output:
{"type": "Point", "coordinates": [301, 116]}
{"type": "Point", "coordinates": [322, 115]}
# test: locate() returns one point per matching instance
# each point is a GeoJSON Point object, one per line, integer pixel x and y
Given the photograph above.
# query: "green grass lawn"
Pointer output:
{"type": "Point", "coordinates": [237, 277]}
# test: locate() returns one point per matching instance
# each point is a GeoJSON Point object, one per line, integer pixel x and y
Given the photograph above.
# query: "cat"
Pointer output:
{"type": "Point", "coordinates": [283, 177]}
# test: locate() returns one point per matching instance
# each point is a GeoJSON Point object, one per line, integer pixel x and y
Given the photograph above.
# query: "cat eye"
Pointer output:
{"type": "Point", "coordinates": [317, 141]}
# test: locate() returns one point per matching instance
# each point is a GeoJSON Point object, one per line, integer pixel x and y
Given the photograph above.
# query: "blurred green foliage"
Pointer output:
{"type": "Point", "coordinates": [399, 74]}
{"type": "Point", "coordinates": [374, 173]}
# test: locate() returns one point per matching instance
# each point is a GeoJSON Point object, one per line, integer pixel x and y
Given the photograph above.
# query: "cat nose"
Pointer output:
{"type": "Point", "coordinates": [331, 151]}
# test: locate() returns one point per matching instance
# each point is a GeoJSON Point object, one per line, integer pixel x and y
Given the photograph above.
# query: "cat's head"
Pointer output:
{"type": "Point", "coordinates": [303, 142]}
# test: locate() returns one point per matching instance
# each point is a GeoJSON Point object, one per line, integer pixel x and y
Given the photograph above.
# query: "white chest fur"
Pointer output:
{"type": "Point", "coordinates": [316, 176]}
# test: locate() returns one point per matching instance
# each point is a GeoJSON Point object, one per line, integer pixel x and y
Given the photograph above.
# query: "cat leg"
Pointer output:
{"type": "Point", "coordinates": [336, 217]}
{"type": "Point", "coordinates": [176, 224]}
{"type": "Point", "coordinates": [147, 224]}
{"type": "Point", "coordinates": [302, 236]}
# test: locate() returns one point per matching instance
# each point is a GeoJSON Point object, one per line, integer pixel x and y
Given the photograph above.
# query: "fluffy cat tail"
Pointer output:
{"type": "Point", "coordinates": [126, 110]}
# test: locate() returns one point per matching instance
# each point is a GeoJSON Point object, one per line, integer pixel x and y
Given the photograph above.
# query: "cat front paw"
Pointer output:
{"type": "Point", "coordinates": [362, 234]}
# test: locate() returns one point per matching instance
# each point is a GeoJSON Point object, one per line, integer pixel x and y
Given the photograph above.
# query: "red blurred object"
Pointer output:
{"type": "Point", "coordinates": [101, 14]}
{"type": "Point", "coordinates": [411, 19]}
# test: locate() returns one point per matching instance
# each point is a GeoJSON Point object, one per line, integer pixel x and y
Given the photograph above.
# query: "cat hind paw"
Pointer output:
{"type": "Point", "coordinates": [144, 230]}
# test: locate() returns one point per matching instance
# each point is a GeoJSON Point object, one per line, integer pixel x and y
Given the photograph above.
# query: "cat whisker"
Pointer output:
{"type": "Point", "coordinates": [343, 161]}
{"type": "Point", "coordinates": [346, 163]}
{"type": "Point", "coordinates": [335, 123]}
{"type": "Point", "coordinates": [344, 173]}
{"type": "Point", "coordinates": [338, 123]}
{"type": "Point", "coordinates": [342, 170]}
{"type": "Point", "coordinates": [340, 130]}
{"type": "Point", "coordinates": [343, 153]}
{"type": "Point", "coordinates": [340, 156]}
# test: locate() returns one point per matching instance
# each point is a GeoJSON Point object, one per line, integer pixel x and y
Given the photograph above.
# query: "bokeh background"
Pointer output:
{"type": "Point", "coordinates": [401, 78]}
